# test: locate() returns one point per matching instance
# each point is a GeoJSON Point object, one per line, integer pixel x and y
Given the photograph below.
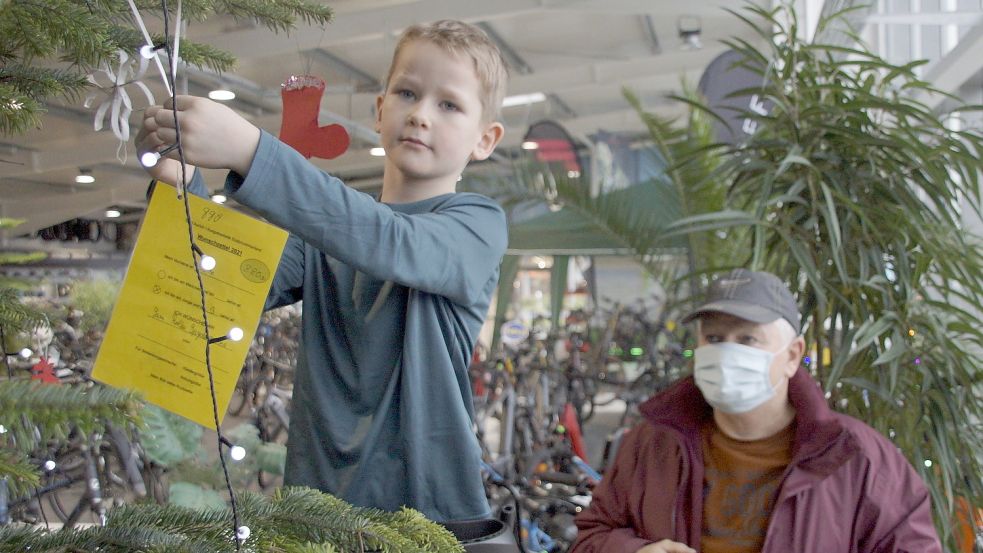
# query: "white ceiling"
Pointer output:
{"type": "Point", "coordinates": [580, 53]}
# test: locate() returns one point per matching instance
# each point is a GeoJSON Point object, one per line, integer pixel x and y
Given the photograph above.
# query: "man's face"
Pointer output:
{"type": "Point", "coordinates": [772, 337]}
{"type": "Point", "coordinates": [430, 116]}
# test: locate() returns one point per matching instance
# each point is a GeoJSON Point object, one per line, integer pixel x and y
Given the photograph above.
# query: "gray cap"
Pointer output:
{"type": "Point", "coordinates": [754, 296]}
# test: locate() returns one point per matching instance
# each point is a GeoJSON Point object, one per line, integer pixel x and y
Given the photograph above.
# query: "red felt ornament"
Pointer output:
{"type": "Point", "coordinates": [44, 371]}
{"type": "Point", "coordinates": [299, 128]}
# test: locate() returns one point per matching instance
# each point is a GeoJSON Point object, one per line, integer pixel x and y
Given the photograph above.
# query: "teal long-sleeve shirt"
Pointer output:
{"type": "Point", "coordinates": [382, 405]}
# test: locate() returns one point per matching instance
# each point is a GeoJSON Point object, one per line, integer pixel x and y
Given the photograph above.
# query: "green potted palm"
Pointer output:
{"type": "Point", "coordinates": [852, 191]}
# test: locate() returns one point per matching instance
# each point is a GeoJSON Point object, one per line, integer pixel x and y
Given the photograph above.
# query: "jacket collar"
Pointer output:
{"type": "Point", "coordinates": [821, 443]}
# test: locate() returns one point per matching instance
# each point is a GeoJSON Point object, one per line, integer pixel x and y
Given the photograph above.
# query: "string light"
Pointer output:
{"type": "Point", "coordinates": [242, 533]}
{"type": "Point", "coordinates": [150, 159]}
{"type": "Point", "coordinates": [205, 261]}
{"type": "Point", "coordinates": [911, 332]}
{"type": "Point", "coordinates": [150, 50]}
{"type": "Point", "coordinates": [235, 334]}
{"type": "Point", "coordinates": [26, 353]}
{"type": "Point", "coordinates": [236, 452]}
{"type": "Point", "coordinates": [50, 465]}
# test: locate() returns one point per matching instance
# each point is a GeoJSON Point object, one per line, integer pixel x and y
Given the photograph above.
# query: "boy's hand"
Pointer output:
{"type": "Point", "coordinates": [166, 170]}
{"type": "Point", "coordinates": [212, 136]}
{"type": "Point", "coordinates": [666, 546]}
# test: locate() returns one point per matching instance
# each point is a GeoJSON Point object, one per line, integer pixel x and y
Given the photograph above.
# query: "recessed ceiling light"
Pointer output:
{"type": "Point", "coordinates": [113, 213]}
{"type": "Point", "coordinates": [85, 177]}
{"type": "Point", "coordinates": [222, 95]}
{"type": "Point", "coordinates": [523, 99]}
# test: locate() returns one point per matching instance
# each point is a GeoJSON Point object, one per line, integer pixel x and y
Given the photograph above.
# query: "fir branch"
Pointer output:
{"type": "Point", "coordinates": [27, 407]}
{"type": "Point", "coordinates": [15, 316]}
{"type": "Point", "coordinates": [39, 83]}
{"type": "Point", "coordinates": [46, 29]}
{"type": "Point", "coordinates": [18, 112]}
{"type": "Point", "coordinates": [277, 15]}
{"type": "Point", "coordinates": [21, 475]}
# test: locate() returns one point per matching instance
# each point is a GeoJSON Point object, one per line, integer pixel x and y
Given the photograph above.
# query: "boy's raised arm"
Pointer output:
{"type": "Point", "coordinates": [452, 252]}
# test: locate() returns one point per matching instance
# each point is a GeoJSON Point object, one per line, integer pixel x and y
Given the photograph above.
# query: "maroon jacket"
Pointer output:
{"type": "Point", "coordinates": [847, 490]}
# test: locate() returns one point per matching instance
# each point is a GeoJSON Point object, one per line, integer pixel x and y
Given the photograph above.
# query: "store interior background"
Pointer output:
{"type": "Point", "coordinates": [570, 60]}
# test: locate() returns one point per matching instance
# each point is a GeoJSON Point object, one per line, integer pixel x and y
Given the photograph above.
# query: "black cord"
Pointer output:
{"type": "Point", "coordinates": [44, 516]}
{"type": "Point", "coordinates": [3, 350]}
{"type": "Point", "coordinates": [201, 286]}
{"type": "Point", "coordinates": [517, 526]}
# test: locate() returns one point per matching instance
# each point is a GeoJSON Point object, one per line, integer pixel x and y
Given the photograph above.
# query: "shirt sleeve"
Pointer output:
{"type": "Point", "coordinates": [450, 252]}
{"type": "Point", "coordinates": [605, 527]}
{"type": "Point", "coordinates": [905, 522]}
{"type": "Point", "coordinates": [288, 282]}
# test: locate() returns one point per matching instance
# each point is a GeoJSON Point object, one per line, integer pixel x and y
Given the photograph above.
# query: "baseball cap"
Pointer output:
{"type": "Point", "coordinates": [754, 296]}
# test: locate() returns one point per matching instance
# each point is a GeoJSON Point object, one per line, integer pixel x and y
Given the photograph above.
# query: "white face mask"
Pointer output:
{"type": "Point", "coordinates": [733, 378]}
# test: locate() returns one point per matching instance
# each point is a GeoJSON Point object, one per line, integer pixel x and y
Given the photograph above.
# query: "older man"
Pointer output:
{"type": "Point", "coordinates": [745, 455]}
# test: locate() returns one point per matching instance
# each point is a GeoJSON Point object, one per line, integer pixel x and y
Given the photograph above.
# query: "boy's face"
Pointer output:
{"type": "Point", "coordinates": [430, 118]}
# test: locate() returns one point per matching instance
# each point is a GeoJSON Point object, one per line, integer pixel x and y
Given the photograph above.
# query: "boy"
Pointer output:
{"type": "Point", "coordinates": [394, 291]}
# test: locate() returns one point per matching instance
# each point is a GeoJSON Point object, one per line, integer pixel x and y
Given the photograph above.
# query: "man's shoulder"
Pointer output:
{"type": "Point", "coordinates": [872, 445]}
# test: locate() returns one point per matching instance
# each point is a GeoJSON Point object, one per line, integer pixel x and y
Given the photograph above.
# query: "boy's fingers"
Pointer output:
{"type": "Point", "coordinates": [180, 102]}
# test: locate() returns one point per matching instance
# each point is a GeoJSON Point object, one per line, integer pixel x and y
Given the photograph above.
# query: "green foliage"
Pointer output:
{"type": "Point", "coordinates": [294, 519]}
{"type": "Point", "coordinates": [855, 187]}
{"type": "Point", "coordinates": [16, 317]}
{"type": "Point", "coordinates": [852, 191]}
{"type": "Point", "coordinates": [197, 480]}
{"type": "Point", "coordinates": [47, 48]}
{"type": "Point", "coordinates": [169, 439]}
{"type": "Point", "coordinates": [95, 298]}
{"type": "Point", "coordinates": [33, 413]}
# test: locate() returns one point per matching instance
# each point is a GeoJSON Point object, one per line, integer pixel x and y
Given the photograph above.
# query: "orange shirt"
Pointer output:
{"type": "Point", "coordinates": [739, 488]}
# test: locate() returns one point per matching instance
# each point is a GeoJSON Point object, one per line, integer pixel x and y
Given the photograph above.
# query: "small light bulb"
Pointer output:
{"type": "Point", "coordinates": [928, 462]}
{"type": "Point", "coordinates": [26, 353]}
{"type": "Point", "coordinates": [377, 152]}
{"type": "Point", "coordinates": [530, 145]}
{"type": "Point", "coordinates": [242, 533]}
{"type": "Point", "coordinates": [207, 262]}
{"type": "Point", "coordinates": [235, 334]}
{"type": "Point", "coordinates": [219, 198]}
{"type": "Point", "coordinates": [149, 159]}
{"type": "Point", "coordinates": [49, 465]}
{"type": "Point", "coordinates": [237, 452]}
{"type": "Point", "coordinates": [85, 178]}
{"type": "Point", "coordinates": [113, 213]}
{"type": "Point", "coordinates": [147, 51]}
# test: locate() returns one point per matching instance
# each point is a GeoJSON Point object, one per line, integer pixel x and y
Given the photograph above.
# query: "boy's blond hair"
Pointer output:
{"type": "Point", "coordinates": [462, 38]}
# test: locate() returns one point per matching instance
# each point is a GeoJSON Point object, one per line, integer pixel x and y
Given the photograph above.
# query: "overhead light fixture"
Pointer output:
{"type": "Point", "coordinates": [523, 99]}
{"type": "Point", "coordinates": [530, 145]}
{"type": "Point", "coordinates": [113, 212]}
{"type": "Point", "coordinates": [690, 27]}
{"type": "Point", "coordinates": [222, 95]}
{"type": "Point", "coordinates": [377, 152]}
{"type": "Point", "coordinates": [219, 198]}
{"type": "Point", "coordinates": [85, 176]}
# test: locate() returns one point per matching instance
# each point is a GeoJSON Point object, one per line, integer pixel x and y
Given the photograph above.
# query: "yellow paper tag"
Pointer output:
{"type": "Point", "coordinates": [155, 341]}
